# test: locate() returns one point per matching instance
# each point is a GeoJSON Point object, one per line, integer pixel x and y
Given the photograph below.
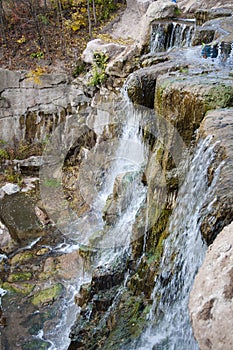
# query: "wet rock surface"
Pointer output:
{"type": "Point", "coordinates": [211, 299]}
{"type": "Point", "coordinates": [218, 124]}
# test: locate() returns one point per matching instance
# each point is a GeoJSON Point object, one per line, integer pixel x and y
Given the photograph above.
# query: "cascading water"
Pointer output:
{"type": "Point", "coordinates": [183, 254]}
{"type": "Point", "coordinates": [166, 35]}
{"type": "Point", "coordinates": [123, 159]}
{"type": "Point", "coordinates": [221, 53]}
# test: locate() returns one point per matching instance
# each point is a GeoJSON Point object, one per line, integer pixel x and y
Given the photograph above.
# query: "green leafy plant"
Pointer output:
{"type": "Point", "coordinates": [3, 154]}
{"type": "Point", "coordinates": [98, 73]}
{"type": "Point", "coordinates": [37, 54]}
{"type": "Point", "coordinates": [177, 11]}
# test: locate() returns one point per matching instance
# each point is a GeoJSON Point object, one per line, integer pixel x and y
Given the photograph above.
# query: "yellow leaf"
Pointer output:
{"type": "Point", "coordinates": [21, 40]}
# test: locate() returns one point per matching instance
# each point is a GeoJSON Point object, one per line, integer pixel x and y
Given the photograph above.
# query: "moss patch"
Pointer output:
{"type": "Point", "coordinates": [131, 320]}
{"type": "Point", "coordinates": [47, 295]}
{"type": "Point", "coordinates": [20, 276]}
{"type": "Point", "coordinates": [36, 344]}
{"type": "Point", "coordinates": [24, 288]}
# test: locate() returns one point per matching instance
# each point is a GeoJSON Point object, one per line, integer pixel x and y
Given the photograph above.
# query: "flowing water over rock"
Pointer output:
{"type": "Point", "coordinates": [166, 35]}
{"type": "Point", "coordinates": [184, 251]}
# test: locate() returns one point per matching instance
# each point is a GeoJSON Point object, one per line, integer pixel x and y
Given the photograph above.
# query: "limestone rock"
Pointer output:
{"type": "Point", "coordinates": [191, 6]}
{"type": "Point", "coordinates": [141, 84]}
{"type": "Point", "coordinates": [211, 299]}
{"type": "Point", "coordinates": [30, 110]}
{"type": "Point", "coordinates": [6, 242]}
{"type": "Point", "coordinates": [109, 49]}
{"type": "Point", "coordinates": [161, 9]}
{"type": "Point", "coordinates": [9, 79]}
{"type": "Point", "coordinates": [204, 15]}
{"type": "Point", "coordinates": [18, 215]}
{"type": "Point", "coordinates": [183, 99]}
{"type": "Point", "coordinates": [120, 199]}
{"type": "Point", "coordinates": [203, 35]}
{"type": "Point", "coordinates": [131, 23]}
{"type": "Point", "coordinates": [10, 188]}
{"type": "Point", "coordinates": [218, 124]}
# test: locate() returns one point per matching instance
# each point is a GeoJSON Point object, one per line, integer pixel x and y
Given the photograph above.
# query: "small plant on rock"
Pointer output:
{"type": "Point", "coordinates": [98, 73]}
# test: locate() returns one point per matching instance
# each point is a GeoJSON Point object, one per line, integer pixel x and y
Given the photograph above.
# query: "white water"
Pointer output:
{"type": "Point", "coordinates": [184, 250]}
{"type": "Point", "coordinates": [125, 155]}
{"type": "Point", "coordinates": [168, 35]}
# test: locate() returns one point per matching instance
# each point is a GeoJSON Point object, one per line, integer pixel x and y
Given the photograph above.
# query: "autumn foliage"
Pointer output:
{"type": "Point", "coordinates": [45, 31]}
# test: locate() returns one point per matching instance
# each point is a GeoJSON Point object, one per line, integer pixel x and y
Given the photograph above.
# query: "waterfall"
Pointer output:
{"type": "Point", "coordinates": [166, 35]}
{"type": "Point", "coordinates": [184, 251]}
{"type": "Point", "coordinates": [123, 159]}
{"type": "Point", "coordinates": [220, 54]}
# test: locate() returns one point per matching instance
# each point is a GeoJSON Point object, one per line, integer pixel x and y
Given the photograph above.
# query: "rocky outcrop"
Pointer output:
{"type": "Point", "coordinates": [183, 99]}
{"type": "Point", "coordinates": [129, 36]}
{"type": "Point", "coordinates": [211, 299]}
{"type": "Point", "coordinates": [218, 124]}
{"type": "Point", "coordinates": [191, 6]}
{"type": "Point", "coordinates": [33, 104]}
{"type": "Point", "coordinates": [141, 84]}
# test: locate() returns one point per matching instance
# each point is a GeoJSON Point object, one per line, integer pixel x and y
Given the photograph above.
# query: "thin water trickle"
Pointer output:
{"type": "Point", "coordinates": [184, 250]}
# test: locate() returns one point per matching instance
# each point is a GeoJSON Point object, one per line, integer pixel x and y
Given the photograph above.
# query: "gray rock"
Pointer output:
{"type": "Point", "coordinates": [111, 49]}
{"type": "Point", "coordinates": [161, 9]}
{"type": "Point", "coordinates": [211, 299]}
{"type": "Point", "coordinates": [218, 124]}
{"type": "Point", "coordinates": [191, 6]}
{"type": "Point", "coordinates": [10, 188]}
{"type": "Point", "coordinates": [8, 79]}
{"type": "Point", "coordinates": [5, 237]}
{"type": "Point", "coordinates": [141, 84]}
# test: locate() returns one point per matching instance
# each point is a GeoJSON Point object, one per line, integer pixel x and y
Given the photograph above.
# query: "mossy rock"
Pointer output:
{"type": "Point", "coordinates": [36, 344]}
{"type": "Point", "coordinates": [21, 257]}
{"type": "Point", "coordinates": [130, 322]}
{"type": "Point", "coordinates": [20, 276]}
{"type": "Point", "coordinates": [48, 295]}
{"type": "Point", "coordinates": [24, 288]}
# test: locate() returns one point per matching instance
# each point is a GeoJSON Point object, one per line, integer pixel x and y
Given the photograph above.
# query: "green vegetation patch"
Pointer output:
{"type": "Point", "coordinates": [23, 288]}
{"type": "Point", "coordinates": [48, 295]}
{"type": "Point", "coordinates": [19, 276]}
{"type": "Point", "coordinates": [36, 344]}
{"type": "Point", "coordinates": [131, 321]}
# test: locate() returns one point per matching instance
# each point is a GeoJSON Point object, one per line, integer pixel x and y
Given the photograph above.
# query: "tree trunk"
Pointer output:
{"type": "Point", "coordinates": [89, 19]}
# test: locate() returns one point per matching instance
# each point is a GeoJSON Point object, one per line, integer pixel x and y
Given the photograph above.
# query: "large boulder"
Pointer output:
{"type": "Point", "coordinates": [110, 49]}
{"type": "Point", "coordinates": [161, 9]}
{"type": "Point", "coordinates": [141, 84]}
{"type": "Point", "coordinates": [211, 299]}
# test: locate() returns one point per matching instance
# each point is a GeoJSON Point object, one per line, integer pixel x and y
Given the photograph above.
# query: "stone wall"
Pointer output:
{"type": "Point", "coordinates": [31, 106]}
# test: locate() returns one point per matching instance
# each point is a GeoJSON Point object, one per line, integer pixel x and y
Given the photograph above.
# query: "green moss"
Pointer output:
{"type": "Point", "coordinates": [36, 344]}
{"type": "Point", "coordinates": [24, 288]}
{"type": "Point", "coordinates": [158, 233]}
{"type": "Point", "coordinates": [131, 320]}
{"type": "Point", "coordinates": [219, 96]}
{"type": "Point", "coordinates": [19, 276]}
{"type": "Point", "coordinates": [21, 257]}
{"type": "Point", "coordinates": [47, 295]}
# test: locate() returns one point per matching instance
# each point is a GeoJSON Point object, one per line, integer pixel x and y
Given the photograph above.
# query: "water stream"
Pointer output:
{"type": "Point", "coordinates": [166, 35]}
{"type": "Point", "coordinates": [124, 159]}
{"type": "Point", "coordinates": [184, 250]}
